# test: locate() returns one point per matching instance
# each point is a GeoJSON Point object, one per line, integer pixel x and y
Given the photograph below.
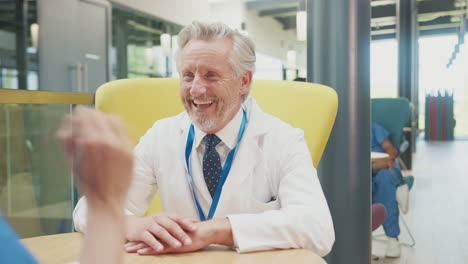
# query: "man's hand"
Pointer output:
{"type": "Point", "coordinates": [379, 164]}
{"type": "Point", "coordinates": [215, 231]}
{"type": "Point", "coordinates": [159, 232]}
{"type": "Point", "coordinates": [390, 163]}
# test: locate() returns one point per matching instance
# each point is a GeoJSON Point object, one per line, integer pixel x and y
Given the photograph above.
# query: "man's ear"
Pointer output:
{"type": "Point", "coordinates": [246, 82]}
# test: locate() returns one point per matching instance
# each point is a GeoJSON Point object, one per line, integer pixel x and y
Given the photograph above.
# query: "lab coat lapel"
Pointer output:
{"type": "Point", "coordinates": [249, 155]}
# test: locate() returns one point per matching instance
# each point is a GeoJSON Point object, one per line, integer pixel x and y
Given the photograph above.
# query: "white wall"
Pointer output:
{"type": "Point", "coordinates": [266, 32]}
{"type": "Point", "coordinates": [230, 12]}
{"type": "Point", "coordinates": [181, 12]}
{"type": "Point", "coordinates": [272, 40]}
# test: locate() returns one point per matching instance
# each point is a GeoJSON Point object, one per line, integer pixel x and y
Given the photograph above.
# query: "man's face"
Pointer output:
{"type": "Point", "coordinates": [209, 92]}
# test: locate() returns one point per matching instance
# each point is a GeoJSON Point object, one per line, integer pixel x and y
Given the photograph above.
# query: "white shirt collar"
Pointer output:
{"type": "Point", "coordinates": [227, 134]}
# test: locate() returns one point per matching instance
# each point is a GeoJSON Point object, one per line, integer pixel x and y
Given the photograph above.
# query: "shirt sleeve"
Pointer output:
{"type": "Point", "coordinates": [144, 184]}
{"type": "Point", "coordinates": [379, 133]}
{"type": "Point", "coordinates": [303, 220]}
{"type": "Point", "coordinates": [12, 251]}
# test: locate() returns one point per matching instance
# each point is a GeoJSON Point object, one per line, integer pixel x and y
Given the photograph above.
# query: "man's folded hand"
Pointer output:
{"type": "Point", "coordinates": [159, 231]}
{"type": "Point", "coordinates": [215, 231]}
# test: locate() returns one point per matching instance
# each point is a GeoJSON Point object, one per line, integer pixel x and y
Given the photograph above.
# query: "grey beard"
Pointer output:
{"type": "Point", "coordinates": [205, 124]}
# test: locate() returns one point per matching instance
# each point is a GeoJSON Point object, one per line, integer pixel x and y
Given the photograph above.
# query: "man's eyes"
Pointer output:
{"type": "Point", "coordinates": [212, 74]}
{"type": "Point", "coordinates": [188, 75]}
{"type": "Point", "coordinates": [207, 75]}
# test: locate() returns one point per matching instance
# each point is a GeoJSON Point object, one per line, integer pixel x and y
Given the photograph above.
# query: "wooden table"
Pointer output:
{"type": "Point", "coordinates": [64, 248]}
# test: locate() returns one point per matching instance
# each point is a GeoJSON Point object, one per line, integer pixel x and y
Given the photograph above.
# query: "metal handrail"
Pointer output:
{"type": "Point", "coordinates": [44, 97]}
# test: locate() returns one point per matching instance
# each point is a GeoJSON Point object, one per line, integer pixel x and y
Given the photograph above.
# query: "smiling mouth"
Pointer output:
{"type": "Point", "coordinates": [205, 103]}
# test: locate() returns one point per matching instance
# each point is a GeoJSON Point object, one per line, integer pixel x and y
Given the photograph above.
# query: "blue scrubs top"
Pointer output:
{"type": "Point", "coordinates": [378, 135]}
{"type": "Point", "coordinates": [11, 249]}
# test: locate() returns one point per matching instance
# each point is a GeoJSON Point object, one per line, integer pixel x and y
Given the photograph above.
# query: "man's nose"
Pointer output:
{"type": "Point", "coordinates": [198, 87]}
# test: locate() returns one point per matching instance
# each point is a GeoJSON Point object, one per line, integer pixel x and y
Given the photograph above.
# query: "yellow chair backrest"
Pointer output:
{"type": "Point", "coordinates": [140, 102]}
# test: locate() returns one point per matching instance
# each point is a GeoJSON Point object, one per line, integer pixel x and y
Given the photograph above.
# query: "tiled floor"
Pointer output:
{"type": "Point", "coordinates": [438, 214]}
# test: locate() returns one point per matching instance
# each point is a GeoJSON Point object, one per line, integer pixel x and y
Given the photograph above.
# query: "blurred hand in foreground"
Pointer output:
{"type": "Point", "coordinates": [101, 157]}
{"type": "Point", "coordinates": [100, 154]}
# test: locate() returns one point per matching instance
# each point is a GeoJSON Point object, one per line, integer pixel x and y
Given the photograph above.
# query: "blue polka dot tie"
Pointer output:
{"type": "Point", "coordinates": [211, 163]}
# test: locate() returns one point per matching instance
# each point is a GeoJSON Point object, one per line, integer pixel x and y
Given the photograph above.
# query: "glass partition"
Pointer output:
{"type": "Point", "coordinates": [37, 195]}
{"type": "Point", "coordinates": [36, 191]}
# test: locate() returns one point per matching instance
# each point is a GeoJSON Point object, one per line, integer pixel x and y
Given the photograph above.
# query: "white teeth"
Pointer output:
{"type": "Point", "coordinates": [201, 102]}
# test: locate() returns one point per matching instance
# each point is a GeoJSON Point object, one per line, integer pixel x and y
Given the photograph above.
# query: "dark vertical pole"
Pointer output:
{"type": "Point", "coordinates": [168, 70]}
{"type": "Point", "coordinates": [407, 29]}
{"type": "Point", "coordinates": [121, 37]}
{"type": "Point", "coordinates": [405, 36]}
{"type": "Point", "coordinates": [22, 43]}
{"type": "Point", "coordinates": [338, 55]}
{"type": "Point", "coordinates": [415, 74]}
{"type": "Point", "coordinates": [168, 61]}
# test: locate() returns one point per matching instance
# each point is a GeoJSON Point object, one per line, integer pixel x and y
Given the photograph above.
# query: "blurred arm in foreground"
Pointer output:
{"type": "Point", "coordinates": [101, 157]}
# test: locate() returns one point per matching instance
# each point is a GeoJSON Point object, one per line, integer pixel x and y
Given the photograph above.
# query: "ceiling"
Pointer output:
{"type": "Point", "coordinates": [434, 16]}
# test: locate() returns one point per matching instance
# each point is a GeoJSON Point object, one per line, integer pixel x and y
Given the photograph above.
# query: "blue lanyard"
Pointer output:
{"type": "Point", "coordinates": [224, 173]}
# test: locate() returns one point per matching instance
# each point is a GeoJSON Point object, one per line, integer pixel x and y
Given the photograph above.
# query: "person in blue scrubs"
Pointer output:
{"type": "Point", "coordinates": [11, 250]}
{"type": "Point", "coordinates": [386, 177]}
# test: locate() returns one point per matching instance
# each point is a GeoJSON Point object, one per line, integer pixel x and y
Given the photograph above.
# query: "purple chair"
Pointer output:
{"type": "Point", "coordinates": [379, 213]}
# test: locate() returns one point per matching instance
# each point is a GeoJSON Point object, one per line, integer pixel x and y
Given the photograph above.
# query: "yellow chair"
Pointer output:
{"type": "Point", "coordinates": [140, 102]}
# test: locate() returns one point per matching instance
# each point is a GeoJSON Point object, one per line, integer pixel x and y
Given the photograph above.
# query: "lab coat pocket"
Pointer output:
{"type": "Point", "coordinates": [265, 206]}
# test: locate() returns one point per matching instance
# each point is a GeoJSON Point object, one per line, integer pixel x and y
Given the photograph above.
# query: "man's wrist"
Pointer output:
{"type": "Point", "coordinates": [222, 232]}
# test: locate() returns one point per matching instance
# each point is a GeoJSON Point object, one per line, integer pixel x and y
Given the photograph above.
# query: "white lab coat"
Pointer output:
{"type": "Point", "coordinates": [272, 195]}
